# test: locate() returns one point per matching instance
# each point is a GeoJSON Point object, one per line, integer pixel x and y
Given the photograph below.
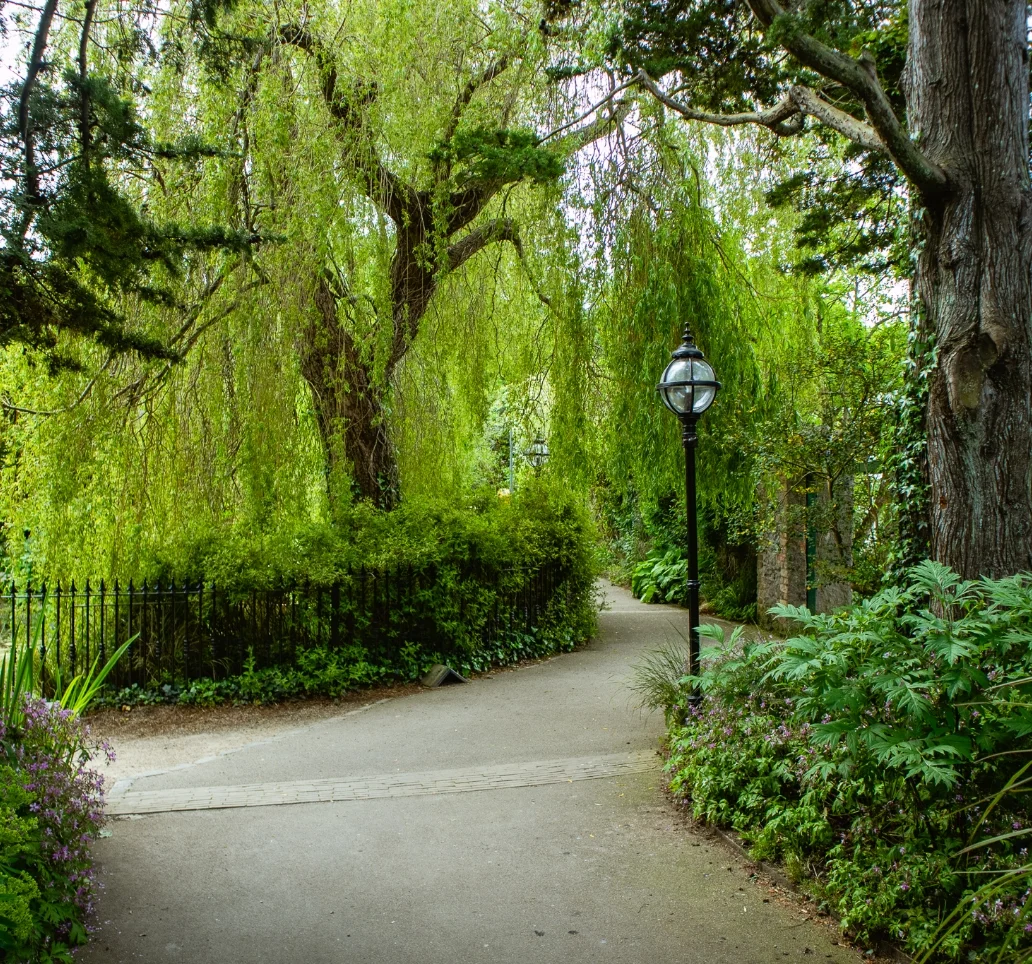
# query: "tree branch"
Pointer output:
{"type": "Point", "coordinates": [497, 229]}
{"type": "Point", "coordinates": [466, 94]}
{"type": "Point", "coordinates": [861, 79]}
{"type": "Point", "coordinates": [39, 46]}
{"type": "Point", "coordinates": [809, 102]}
{"type": "Point", "coordinates": [381, 184]}
{"type": "Point", "coordinates": [784, 119]}
{"type": "Point", "coordinates": [591, 110]}
{"type": "Point", "coordinates": [83, 395]}
{"type": "Point", "coordinates": [465, 205]}
{"type": "Point", "coordinates": [581, 137]}
{"type": "Point", "coordinates": [84, 97]}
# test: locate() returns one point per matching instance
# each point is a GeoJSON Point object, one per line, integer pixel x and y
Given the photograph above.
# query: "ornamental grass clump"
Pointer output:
{"type": "Point", "coordinates": [881, 754]}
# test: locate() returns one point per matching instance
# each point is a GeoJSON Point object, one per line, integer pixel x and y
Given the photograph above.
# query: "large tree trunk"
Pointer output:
{"type": "Point", "coordinates": [348, 406]}
{"type": "Point", "coordinates": [969, 99]}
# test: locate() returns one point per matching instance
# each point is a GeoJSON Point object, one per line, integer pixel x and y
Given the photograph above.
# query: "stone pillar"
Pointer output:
{"type": "Point", "coordinates": [781, 556]}
{"type": "Point", "coordinates": [835, 546]}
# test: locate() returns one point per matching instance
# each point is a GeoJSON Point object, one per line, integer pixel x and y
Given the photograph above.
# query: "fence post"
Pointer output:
{"type": "Point", "coordinates": [129, 629]}
{"type": "Point", "coordinates": [71, 633]}
{"type": "Point", "coordinates": [117, 671]}
{"type": "Point", "coordinates": [43, 638]}
{"type": "Point", "coordinates": [101, 622]}
{"type": "Point", "coordinates": [28, 613]}
{"type": "Point", "coordinates": [57, 623]}
{"type": "Point", "coordinates": [87, 627]}
{"type": "Point", "coordinates": [186, 632]}
{"type": "Point", "coordinates": [200, 622]}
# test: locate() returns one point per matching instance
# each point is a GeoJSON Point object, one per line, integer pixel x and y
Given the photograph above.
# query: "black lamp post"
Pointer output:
{"type": "Point", "coordinates": [538, 453]}
{"type": "Point", "coordinates": [688, 388]}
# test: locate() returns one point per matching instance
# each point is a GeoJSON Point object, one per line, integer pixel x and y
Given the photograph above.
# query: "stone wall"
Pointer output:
{"type": "Point", "coordinates": [781, 555]}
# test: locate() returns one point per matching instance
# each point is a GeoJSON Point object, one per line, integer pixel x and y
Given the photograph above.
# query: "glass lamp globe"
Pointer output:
{"type": "Point", "coordinates": [538, 453]}
{"type": "Point", "coordinates": [689, 384]}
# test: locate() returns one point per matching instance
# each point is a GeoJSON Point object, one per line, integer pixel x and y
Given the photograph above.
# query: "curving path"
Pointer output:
{"type": "Point", "coordinates": [515, 820]}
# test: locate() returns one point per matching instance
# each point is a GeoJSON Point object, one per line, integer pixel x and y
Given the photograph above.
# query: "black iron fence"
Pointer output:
{"type": "Point", "coordinates": [192, 631]}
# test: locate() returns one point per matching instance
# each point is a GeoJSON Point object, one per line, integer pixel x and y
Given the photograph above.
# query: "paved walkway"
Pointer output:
{"type": "Point", "coordinates": [515, 820]}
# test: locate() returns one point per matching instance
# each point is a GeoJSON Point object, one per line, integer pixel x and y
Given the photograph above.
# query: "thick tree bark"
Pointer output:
{"type": "Point", "coordinates": [348, 405]}
{"type": "Point", "coordinates": [969, 101]}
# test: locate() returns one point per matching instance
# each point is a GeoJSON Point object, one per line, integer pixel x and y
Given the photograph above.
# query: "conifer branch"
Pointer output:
{"type": "Point", "coordinates": [36, 62]}
{"type": "Point", "coordinates": [84, 96]}
{"type": "Point", "coordinates": [860, 78]}
{"type": "Point", "coordinates": [784, 119]}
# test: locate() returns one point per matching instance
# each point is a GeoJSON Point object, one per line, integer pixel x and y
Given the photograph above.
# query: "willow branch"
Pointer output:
{"type": "Point", "coordinates": [498, 229]}
{"type": "Point", "coordinates": [608, 99]}
{"type": "Point", "coordinates": [579, 138]}
{"type": "Point", "coordinates": [466, 94]}
{"type": "Point", "coordinates": [382, 185]}
{"type": "Point", "coordinates": [83, 395]}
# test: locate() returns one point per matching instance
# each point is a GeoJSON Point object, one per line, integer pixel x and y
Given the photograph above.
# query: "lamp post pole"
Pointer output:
{"type": "Point", "coordinates": [690, 438]}
{"type": "Point", "coordinates": [688, 388]}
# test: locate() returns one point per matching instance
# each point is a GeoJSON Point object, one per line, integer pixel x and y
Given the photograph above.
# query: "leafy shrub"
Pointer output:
{"type": "Point", "coordinates": [543, 523]}
{"type": "Point", "coordinates": [463, 607]}
{"type": "Point", "coordinates": [51, 808]}
{"type": "Point", "coordinates": [324, 672]}
{"type": "Point", "coordinates": [660, 576]}
{"type": "Point", "coordinates": [863, 752]}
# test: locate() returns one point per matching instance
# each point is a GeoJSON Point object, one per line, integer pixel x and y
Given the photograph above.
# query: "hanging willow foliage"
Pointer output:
{"type": "Point", "coordinates": [559, 330]}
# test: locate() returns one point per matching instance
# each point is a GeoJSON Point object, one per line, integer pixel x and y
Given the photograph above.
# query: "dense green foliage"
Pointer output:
{"type": "Point", "coordinates": [80, 249]}
{"type": "Point", "coordinates": [463, 608]}
{"type": "Point", "coordinates": [852, 202]}
{"type": "Point", "coordinates": [868, 753]}
{"type": "Point", "coordinates": [810, 397]}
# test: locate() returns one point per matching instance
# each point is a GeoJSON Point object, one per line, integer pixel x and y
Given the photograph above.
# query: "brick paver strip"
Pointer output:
{"type": "Point", "coordinates": [466, 780]}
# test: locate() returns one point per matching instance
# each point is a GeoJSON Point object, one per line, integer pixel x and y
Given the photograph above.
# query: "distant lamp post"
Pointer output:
{"type": "Point", "coordinates": [538, 453]}
{"type": "Point", "coordinates": [688, 388]}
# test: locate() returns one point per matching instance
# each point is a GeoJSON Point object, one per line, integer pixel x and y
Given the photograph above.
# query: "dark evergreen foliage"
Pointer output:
{"type": "Point", "coordinates": [74, 243]}
{"type": "Point", "coordinates": [853, 213]}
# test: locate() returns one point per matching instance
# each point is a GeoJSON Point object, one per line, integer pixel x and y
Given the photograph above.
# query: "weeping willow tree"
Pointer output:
{"type": "Point", "coordinates": [804, 381]}
{"type": "Point", "coordinates": [407, 216]}
{"type": "Point", "coordinates": [430, 134]}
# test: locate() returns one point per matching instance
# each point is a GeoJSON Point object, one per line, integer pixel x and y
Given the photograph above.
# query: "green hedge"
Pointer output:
{"type": "Point", "coordinates": [475, 554]}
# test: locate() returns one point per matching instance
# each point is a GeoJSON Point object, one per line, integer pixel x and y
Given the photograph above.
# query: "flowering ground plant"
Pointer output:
{"type": "Point", "coordinates": [51, 810]}
{"type": "Point", "coordinates": [869, 753]}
